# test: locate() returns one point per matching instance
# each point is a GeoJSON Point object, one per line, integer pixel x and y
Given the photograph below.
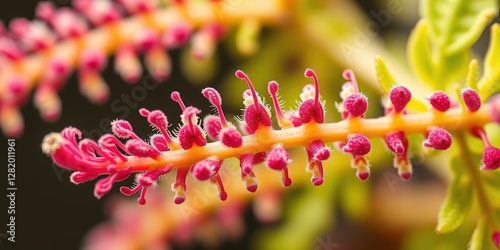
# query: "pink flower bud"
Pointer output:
{"type": "Point", "coordinates": [206, 169]}
{"type": "Point", "coordinates": [159, 142]}
{"type": "Point", "coordinates": [319, 151]}
{"type": "Point", "coordinates": [439, 139]}
{"type": "Point", "coordinates": [212, 125]}
{"type": "Point", "coordinates": [471, 99]}
{"type": "Point", "coordinates": [397, 142]}
{"type": "Point", "coordinates": [231, 137]}
{"type": "Point", "coordinates": [399, 96]}
{"type": "Point", "coordinates": [357, 144]}
{"type": "Point", "coordinates": [141, 149]}
{"type": "Point", "coordinates": [496, 238]}
{"type": "Point", "coordinates": [147, 39]}
{"type": "Point", "coordinates": [277, 158]}
{"type": "Point", "coordinates": [363, 175]}
{"type": "Point", "coordinates": [81, 177]}
{"type": "Point", "coordinates": [440, 101]}
{"type": "Point", "coordinates": [356, 104]}
{"type": "Point", "coordinates": [179, 186]}
{"type": "Point", "coordinates": [144, 181]}
{"type": "Point", "coordinates": [177, 35]}
{"type": "Point", "coordinates": [495, 108]}
{"type": "Point", "coordinates": [10, 49]}
{"type": "Point", "coordinates": [122, 129]}
{"type": "Point", "coordinates": [491, 158]}
{"type": "Point", "coordinates": [45, 10]}
{"type": "Point", "coordinates": [93, 60]}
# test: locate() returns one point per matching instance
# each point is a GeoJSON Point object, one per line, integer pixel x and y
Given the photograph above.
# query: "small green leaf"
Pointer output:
{"type": "Point", "coordinates": [480, 239]}
{"type": "Point", "coordinates": [419, 53]}
{"type": "Point", "coordinates": [489, 83]}
{"type": "Point", "coordinates": [472, 75]}
{"type": "Point", "coordinates": [458, 201]}
{"type": "Point", "coordinates": [457, 24]}
{"type": "Point", "coordinates": [385, 78]}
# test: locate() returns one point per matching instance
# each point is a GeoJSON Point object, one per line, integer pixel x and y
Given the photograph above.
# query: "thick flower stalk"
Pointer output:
{"type": "Point", "coordinates": [43, 52]}
{"type": "Point", "coordinates": [189, 152]}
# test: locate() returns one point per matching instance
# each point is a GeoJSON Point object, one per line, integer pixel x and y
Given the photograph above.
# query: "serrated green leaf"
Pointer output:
{"type": "Point", "coordinates": [385, 79]}
{"type": "Point", "coordinates": [458, 201]}
{"type": "Point", "coordinates": [472, 75]}
{"type": "Point", "coordinates": [419, 53]}
{"type": "Point", "coordinates": [489, 83]}
{"type": "Point", "coordinates": [457, 24]}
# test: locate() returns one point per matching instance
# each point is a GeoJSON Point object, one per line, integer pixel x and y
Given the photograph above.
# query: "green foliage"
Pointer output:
{"type": "Point", "coordinates": [458, 202]}
{"type": "Point", "coordinates": [490, 81]}
{"type": "Point", "coordinates": [419, 53]}
{"type": "Point", "coordinates": [439, 46]}
{"type": "Point", "coordinates": [434, 68]}
{"type": "Point", "coordinates": [455, 25]}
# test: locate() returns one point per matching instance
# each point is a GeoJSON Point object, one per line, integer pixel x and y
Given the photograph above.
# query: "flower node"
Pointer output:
{"type": "Point", "coordinates": [440, 101]}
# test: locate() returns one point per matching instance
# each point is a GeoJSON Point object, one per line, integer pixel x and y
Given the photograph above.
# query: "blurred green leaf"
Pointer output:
{"type": "Point", "coordinates": [489, 83]}
{"type": "Point", "coordinates": [354, 197]}
{"type": "Point", "coordinates": [308, 215]}
{"type": "Point", "coordinates": [453, 67]}
{"type": "Point", "coordinates": [456, 25]}
{"type": "Point", "coordinates": [385, 78]}
{"type": "Point", "coordinates": [419, 53]}
{"type": "Point", "coordinates": [458, 201]}
{"type": "Point", "coordinates": [481, 238]}
{"type": "Point", "coordinates": [426, 238]}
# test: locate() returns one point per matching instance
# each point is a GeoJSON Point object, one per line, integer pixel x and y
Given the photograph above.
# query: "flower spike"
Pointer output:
{"type": "Point", "coordinates": [118, 156]}
{"type": "Point", "coordinates": [278, 160]}
{"type": "Point", "coordinates": [439, 139]}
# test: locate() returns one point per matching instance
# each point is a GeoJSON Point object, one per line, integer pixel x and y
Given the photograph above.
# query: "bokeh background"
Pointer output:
{"type": "Point", "coordinates": [384, 213]}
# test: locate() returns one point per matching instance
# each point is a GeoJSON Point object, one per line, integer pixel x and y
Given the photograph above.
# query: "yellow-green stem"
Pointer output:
{"type": "Point", "coordinates": [265, 138]}
{"type": "Point", "coordinates": [473, 170]}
